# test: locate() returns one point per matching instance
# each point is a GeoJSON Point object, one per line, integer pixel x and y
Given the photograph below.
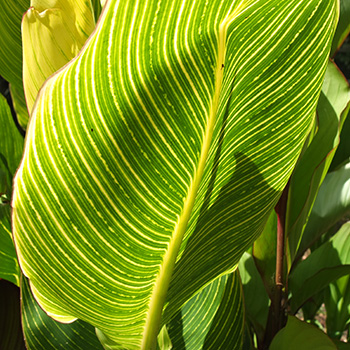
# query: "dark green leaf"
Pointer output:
{"type": "Point", "coordinates": [302, 336]}
{"type": "Point", "coordinates": [11, 147]}
{"type": "Point", "coordinates": [314, 163]}
{"type": "Point", "coordinates": [256, 299]}
{"type": "Point", "coordinates": [264, 253]}
{"type": "Point", "coordinates": [343, 27]}
{"type": "Point", "coordinates": [331, 206]}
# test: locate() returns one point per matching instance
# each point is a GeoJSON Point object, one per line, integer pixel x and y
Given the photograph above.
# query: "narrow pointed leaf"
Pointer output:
{"type": "Point", "coordinates": [213, 319]}
{"type": "Point", "coordinates": [337, 303]}
{"type": "Point", "coordinates": [327, 263]}
{"type": "Point", "coordinates": [52, 34]}
{"type": "Point", "coordinates": [41, 332]}
{"type": "Point", "coordinates": [166, 141]}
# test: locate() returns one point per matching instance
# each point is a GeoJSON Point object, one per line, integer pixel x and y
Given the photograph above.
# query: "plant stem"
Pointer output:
{"type": "Point", "coordinates": [276, 319]}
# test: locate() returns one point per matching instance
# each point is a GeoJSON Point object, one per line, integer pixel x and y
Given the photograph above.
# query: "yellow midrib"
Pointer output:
{"type": "Point", "coordinates": [158, 297]}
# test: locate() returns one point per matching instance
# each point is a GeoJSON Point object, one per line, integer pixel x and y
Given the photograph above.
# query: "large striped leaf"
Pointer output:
{"type": "Point", "coordinates": [163, 146]}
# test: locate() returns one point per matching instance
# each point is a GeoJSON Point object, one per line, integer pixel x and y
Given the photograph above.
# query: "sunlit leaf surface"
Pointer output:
{"type": "Point", "coordinates": [163, 147]}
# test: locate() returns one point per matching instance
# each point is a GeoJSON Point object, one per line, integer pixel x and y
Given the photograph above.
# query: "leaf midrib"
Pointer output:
{"type": "Point", "coordinates": [157, 300]}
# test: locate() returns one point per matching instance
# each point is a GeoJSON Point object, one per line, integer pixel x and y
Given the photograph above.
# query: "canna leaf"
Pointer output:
{"type": "Point", "coordinates": [163, 147]}
{"type": "Point", "coordinates": [53, 32]}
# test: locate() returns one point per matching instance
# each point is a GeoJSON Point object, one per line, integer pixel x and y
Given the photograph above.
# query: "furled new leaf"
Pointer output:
{"type": "Point", "coordinates": [163, 146]}
{"type": "Point", "coordinates": [53, 32]}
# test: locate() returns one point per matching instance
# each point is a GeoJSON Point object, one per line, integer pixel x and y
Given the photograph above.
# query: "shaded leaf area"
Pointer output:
{"type": "Point", "coordinates": [313, 165]}
{"type": "Point", "coordinates": [9, 269]}
{"type": "Point", "coordinates": [256, 299]}
{"type": "Point", "coordinates": [264, 253]}
{"type": "Point", "coordinates": [11, 336]}
{"type": "Point", "coordinates": [11, 146]}
{"type": "Point", "coordinates": [43, 333]}
{"type": "Point", "coordinates": [302, 336]}
{"type": "Point", "coordinates": [343, 27]}
{"type": "Point", "coordinates": [11, 52]}
{"type": "Point", "coordinates": [213, 319]}
{"type": "Point", "coordinates": [327, 263]}
{"type": "Point", "coordinates": [174, 130]}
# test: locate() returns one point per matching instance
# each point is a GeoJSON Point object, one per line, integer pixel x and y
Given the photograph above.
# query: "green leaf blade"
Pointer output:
{"type": "Point", "coordinates": [135, 143]}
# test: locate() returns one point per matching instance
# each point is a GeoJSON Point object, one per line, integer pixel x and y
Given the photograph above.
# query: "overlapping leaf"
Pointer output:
{"type": "Point", "coordinates": [173, 131]}
{"type": "Point", "coordinates": [213, 319]}
{"type": "Point", "coordinates": [41, 332]}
